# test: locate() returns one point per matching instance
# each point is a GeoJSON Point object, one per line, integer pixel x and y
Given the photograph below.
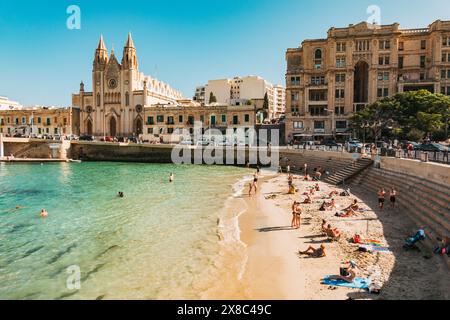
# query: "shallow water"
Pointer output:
{"type": "Point", "coordinates": [160, 241]}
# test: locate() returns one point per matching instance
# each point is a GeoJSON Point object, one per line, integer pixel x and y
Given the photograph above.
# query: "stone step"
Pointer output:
{"type": "Point", "coordinates": [420, 213]}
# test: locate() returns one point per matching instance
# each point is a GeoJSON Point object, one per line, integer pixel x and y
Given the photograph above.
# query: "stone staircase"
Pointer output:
{"type": "Point", "coordinates": [348, 172]}
{"type": "Point", "coordinates": [426, 203]}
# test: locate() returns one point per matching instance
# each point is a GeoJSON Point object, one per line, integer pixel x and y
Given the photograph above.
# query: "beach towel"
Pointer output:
{"type": "Point", "coordinates": [358, 283]}
{"type": "Point", "coordinates": [371, 242]}
{"type": "Point", "coordinates": [373, 248]}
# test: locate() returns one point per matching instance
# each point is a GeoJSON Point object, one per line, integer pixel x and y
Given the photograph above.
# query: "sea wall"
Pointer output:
{"type": "Point", "coordinates": [431, 171]}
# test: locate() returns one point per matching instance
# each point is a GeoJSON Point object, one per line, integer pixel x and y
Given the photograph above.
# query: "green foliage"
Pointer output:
{"type": "Point", "coordinates": [415, 135]}
{"type": "Point", "coordinates": [425, 112]}
{"type": "Point", "coordinates": [212, 98]}
{"type": "Point", "coordinates": [266, 102]}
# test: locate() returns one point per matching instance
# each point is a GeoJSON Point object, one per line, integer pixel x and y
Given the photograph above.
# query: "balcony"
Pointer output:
{"type": "Point", "coordinates": [359, 106]}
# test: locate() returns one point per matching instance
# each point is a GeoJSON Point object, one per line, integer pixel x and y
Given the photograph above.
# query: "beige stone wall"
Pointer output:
{"type": "Point", "coordinates": [430, 171]}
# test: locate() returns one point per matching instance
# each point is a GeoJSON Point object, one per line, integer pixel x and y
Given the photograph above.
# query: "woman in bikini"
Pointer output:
{"type": "Point", "coordinates": [294, 214]}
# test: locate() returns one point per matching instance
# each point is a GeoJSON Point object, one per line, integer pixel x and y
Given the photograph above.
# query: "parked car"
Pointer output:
{"type": "Point", "coordinates": [224, 143]}
{"type": "Point", "coordinates": [132, 139]}
{"type": "Point", "coordinates": [187, 142]}
{"type": "Point", "coordinates": [87, 138]}
{"type": "Point", "coordinates": [353, 144]}
{"type": "Point", "coordinates": [107, 139]}
{"type": "Point", "coordinates": [120, 139]}
{"type": "Point", "coordinates": [331, 143]}
{"type": "Point", "coordinates": [433, 147]}
{"type": "Point", "coordinates": [18, 135]}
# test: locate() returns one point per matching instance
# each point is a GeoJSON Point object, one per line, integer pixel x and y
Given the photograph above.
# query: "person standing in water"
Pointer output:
{"type": "Point", "coordinates": [44, 213]}
{"type": "Point", "coordinates": [171, 177]}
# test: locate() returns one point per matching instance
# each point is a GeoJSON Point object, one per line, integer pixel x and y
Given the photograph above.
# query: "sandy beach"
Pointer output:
{"type": "Point", "coordinates": [273, 269]}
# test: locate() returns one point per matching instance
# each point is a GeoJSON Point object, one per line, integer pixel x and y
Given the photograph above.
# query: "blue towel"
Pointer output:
{"type": "Point", "coordinates": [358, 283]}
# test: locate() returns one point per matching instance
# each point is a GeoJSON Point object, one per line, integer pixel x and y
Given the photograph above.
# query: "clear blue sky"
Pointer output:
{"type": "Point", "coordinates": [182, 42]}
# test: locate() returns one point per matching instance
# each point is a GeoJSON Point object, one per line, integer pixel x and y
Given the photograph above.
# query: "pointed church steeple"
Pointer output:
{"type": "Point", "coordinates": [129, 60]}
{"type": "Point", "coordinates": [101, 55]}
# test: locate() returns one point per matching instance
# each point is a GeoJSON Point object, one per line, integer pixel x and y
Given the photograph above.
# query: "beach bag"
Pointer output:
{"type": "Point", "coordinates": [344, 272]}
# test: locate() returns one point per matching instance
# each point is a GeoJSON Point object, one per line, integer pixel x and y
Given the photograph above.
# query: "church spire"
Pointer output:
{"type": "Point", "coordinates": [129, 60]}
{"type": "Point", "coordinates": [130, 43]}
{"type": "Point", "coordinates": [101, 55]}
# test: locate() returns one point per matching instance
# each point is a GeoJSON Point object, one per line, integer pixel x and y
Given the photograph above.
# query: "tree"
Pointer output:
{"type": "Point", "coordinates": [415, 135]}
{"type": "Point", "coordinates": [398, 115]}
{"type": "Point", "coordinates": [266, 102]}
{"type": "Point", "coordinates": [212, 98]}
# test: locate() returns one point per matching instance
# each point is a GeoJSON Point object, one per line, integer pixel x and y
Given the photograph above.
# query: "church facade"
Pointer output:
{"type": "Point", "coordinates": [120, 94]}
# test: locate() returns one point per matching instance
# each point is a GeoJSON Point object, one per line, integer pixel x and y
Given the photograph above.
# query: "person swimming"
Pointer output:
{"type": "Point", "coordinates": [44, 213]}
{"type": "Point", "coordinates": [120, 194]}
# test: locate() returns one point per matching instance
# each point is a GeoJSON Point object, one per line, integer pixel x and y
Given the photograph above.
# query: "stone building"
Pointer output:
{"type": "Point", "coordinates": [37, 121]}
{"type": "Point", "coordinates": [329, 79]}
{"type": "Point", "coordinates": [163, 121]}
{"type": "Point", "coordinates": [120, 94]}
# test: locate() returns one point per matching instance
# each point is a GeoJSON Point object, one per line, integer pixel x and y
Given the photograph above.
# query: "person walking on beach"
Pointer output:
{"type": "Point", "coordinates": [255, 182]}
{"type": "Point", "coordinates": [171, 177]}
{"type": "Point", "coordinates": [381, 198]}
{"type": "Point", "coordinates": [250, 189]}
{"type": "Point", "coordinates": [392, 196]}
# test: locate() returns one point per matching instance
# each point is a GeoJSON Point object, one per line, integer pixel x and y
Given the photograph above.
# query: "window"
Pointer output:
{"type": "Point", "coordinates": [423, 44]}
{"type": "Point", "coordinates": [180, 119]}
{"type": "Point", "coordinates": [298, 124]}
{"type": "Point", "coordinates": [315, 95]}
{"type": "Point", "coordinates": [127, 99]}
{"type": "Point", "coordinates": [39, 120]}
{"type": "Point", "coordinates": [191, 120]}
{"type": "Point", "coordinates": [363, 45]}
{"type": "Point", "coordinates": [340, 93]}
{"type": "Point", "coordinates": [64, 121]}
{"type": "Point", "coordinates": [318, 59]}
{"type": "Point", "coordinates": [383, 76]}
{"type": "Point", "coordinates": [224, 118]}
{"type": "Point", "coordinates": [17, 121]}
{"type": "Point", "coordinates": [422, 61]}
{"type": "Point", "coordinates": [150, 121]}
{"type": "Point", "coordinates": [341, 124]}
{"type": "Point", "coordinates": [170, 120]}
{"type": "Point", "coordinates": [401, 46]}
{"type": "Point", "coordinates": [295, 81]}
{"type": "Point", "coordinates": [235, 120]}
{"type": "Point", "coordinates": [340, 77]}
{"type": "Point", "coordinates": [213, 120]}
{"type": "Point", "coordinates": [400, 62]}
{"type": "Point", "coordinates": [159, 118]}
{"type": "Point", "coordinates": [340, 47]}
{"type": "Point", "coordinates": [295, 96]}
{"type": "Point", "coordinates": [169, 130]}
{"type": "Point", "coordinates": [318, 80]}
{"type": "Point", "coordinates": [55, 130]}
{"type": "Point", "coordinates": [247, 118]}
{"type": "Point", "coordinates": [98, 99]}
{"type": "Point", "coordinates": [422, 76]}
{"type": "Point", "coordinates": [24, 120]}
{"type": "Point", "coordinates": [382, 92]}
{"type": "Point", "coordinates": [49, 121]}
{"type": "Point", "coordinates": [385, 45]}
{"type": "Point", "coordinates": [319, 124]}
{"type": "Point", "coordinates": [317, 110]}
{"type": "Point", "coordinates": [149, 130]}
{"type": "Point", "coordinates": [339, 111]}
{"type": "Point", "coordinates": [446, 41]}
{"type": "Point", "coordinates": [340, 62]}
{"type": "Point", "coordinates": [445, 90]}
{"type": "Point", "coordinates": [383, 60]}
{"type": "Point", "coordinates": [202, 118]}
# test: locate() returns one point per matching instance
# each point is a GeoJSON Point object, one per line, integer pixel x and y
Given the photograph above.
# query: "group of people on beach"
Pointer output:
{"type": "Point", "coordinates": [382, 196]}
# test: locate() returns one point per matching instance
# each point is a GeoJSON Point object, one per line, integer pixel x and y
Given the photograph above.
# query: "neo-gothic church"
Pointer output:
{"type": "Point", "coordinates": [120, 94]}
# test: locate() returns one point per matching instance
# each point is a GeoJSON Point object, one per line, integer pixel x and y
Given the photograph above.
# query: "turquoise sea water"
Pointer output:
{"type": "Point", "coordinates": [158, 242]}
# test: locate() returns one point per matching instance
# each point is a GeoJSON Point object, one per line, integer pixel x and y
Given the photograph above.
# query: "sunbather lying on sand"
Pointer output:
{"type": "Point", "coordinates": [328, 205]}
{"type": "Point", "coordinates": [315, 253]}
{"type": "Point", "coordinates": [333, 193]}
{"type": "Point", "coordinates": [329, 231]}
